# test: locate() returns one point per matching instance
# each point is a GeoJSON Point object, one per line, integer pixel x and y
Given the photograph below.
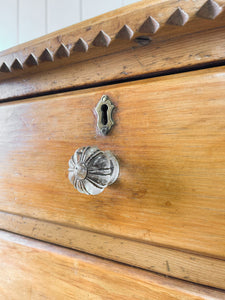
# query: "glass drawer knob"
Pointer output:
{"type": "Point", "coordinates": [92, 170]}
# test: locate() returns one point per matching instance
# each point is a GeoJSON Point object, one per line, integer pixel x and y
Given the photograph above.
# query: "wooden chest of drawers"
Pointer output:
{"type": "Point", "coordinates": [164, 73]}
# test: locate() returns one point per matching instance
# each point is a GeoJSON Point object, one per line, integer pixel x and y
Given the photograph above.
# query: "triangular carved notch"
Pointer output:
{"type": "Point", "coordinates": [179, 17]}
{"type": "Point", "coordinates": [5, 68]}
{"type": "Point", "coordinates": [210, 10]}
{"type": "Point", "coordinates": [149, 26]}
{"type": "Point", "coordinates": [62, 51]}
{"type": "Point", "coordinates": [46, 55]}
{"type": "Point", "coordinates": [102, 40]}
{"type": "Point", "coordinates": [80, 46]}
{"type": "Point", "coordinates": [31, 60]}
{"type": "Point", "coordinates": [17, 65]}
{"type": "Point", "coordinates": [125, 33]}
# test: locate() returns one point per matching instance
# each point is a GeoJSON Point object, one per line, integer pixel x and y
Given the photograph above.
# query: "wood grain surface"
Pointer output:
{"type": "Point", "coordinates": [174, 263]}
{"type": "Point", "coordinates": [35, 270]}
{"type": "Point", "coordinates": [200, 41]}
{"type": "Point", "coordinates": [169, 140]}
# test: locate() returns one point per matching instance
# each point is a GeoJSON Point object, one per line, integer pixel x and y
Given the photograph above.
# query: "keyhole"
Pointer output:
{"type": "Point", "coordinates": [104, 109]}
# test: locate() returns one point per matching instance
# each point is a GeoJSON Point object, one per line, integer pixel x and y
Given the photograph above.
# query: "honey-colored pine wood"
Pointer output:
{"type": "Point", "coordinates": [179, 264]}
{"type": "Point", "coordinates": [35, 270]}
{"type": "Point", "coordinates": [169, 140]}
{"type": "Point", "coordinates": [184, 34]}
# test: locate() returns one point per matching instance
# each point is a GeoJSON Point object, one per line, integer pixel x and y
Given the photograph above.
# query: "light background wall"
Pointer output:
{"type": "Point", "coordinates": [24, 20]}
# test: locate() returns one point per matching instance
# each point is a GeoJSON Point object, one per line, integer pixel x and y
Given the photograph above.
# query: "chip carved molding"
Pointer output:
{"type": "Point", "coordinates": [72, 44]}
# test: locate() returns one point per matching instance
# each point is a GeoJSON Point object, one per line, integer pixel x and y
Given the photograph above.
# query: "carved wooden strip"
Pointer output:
{"type": "Point", "coordinates": [210, 9]}
{"type": "Point", "coordinates": [30, 268]}
{"type": "Point", "coordinates": [144, 58]}
{"type": "Point", "coordinates": [170, 262]}
{"type": "Point", "coordinates": [135, 16]}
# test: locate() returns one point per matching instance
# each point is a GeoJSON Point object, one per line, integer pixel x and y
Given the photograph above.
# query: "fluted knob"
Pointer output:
{"type": "Point", "coordinates": [92, 170]}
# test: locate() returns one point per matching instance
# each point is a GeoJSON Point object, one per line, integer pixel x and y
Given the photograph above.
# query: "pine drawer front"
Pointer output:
{"type": "Point", "coordinates": [35, 270]}
{"type": "Point", "coordinates": [170, 143]}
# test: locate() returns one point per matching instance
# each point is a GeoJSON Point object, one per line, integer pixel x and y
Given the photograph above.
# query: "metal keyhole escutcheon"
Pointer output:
{"type": "Point", "coordinates": [104, 110]}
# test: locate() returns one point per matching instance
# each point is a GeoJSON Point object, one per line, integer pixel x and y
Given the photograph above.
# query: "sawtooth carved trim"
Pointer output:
{"type": "Point", "coordinates": [101, 39]}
